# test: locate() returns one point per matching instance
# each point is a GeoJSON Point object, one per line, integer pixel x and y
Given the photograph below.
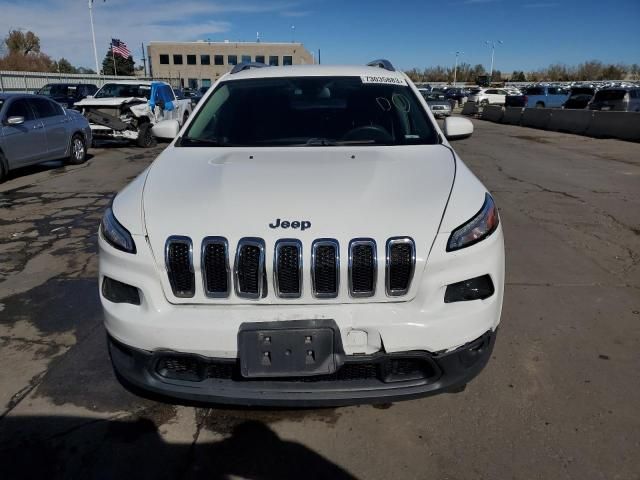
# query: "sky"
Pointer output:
{"type": "Point", "coordinates": [535, 33]}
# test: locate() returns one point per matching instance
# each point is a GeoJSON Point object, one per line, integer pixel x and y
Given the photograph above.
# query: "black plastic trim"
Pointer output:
{"type": "Point", "coordinates": [454, 369]}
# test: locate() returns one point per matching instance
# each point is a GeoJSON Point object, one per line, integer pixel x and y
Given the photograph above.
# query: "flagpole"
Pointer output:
{"type": "Point", "coordinates": [113, 55]}
{"type": "Point", "coordinates": [93, 35]}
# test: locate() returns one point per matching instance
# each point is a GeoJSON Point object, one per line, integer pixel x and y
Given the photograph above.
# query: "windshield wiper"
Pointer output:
{"type": "Point", "coordinates": [319, 142]}
{"type": "Point", "coordinates": [199, 142]}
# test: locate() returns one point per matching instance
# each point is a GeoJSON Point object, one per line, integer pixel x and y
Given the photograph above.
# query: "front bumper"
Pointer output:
{"type": "Point", "coordinates": [378, 378]}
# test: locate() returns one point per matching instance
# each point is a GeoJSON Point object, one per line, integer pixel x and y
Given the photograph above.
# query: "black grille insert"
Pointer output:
{"type": "Point", "coordinates": [362, 267]}
{"type": "Point", "coordinates": [179, 263]}
{"type": "Point", "coordinates": [288, 268]}
{"type": "Point", "coordinates": [401, 260]}
{"type": "Point", "coordinates": [215, 267]}
{"type": "Point", "coordinates": [386, 369]}
{"type": "Point", "coordinates": [249, 268]}
{"type": "Point", "coordinates": [325, 268]}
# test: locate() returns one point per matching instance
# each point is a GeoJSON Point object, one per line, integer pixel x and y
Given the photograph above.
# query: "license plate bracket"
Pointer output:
{"type": "Point", "coordinates": [295, 348]}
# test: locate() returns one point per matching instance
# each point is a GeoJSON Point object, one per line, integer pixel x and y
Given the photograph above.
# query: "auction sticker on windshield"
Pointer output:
{"type": "Point", "coordinates": [381, 79]}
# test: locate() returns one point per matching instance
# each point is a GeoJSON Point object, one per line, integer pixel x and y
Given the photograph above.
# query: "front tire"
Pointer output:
{"type": "Point", "coordinates": [484, 103]}
{"type": "Point", "coordinates": [145, 136]}
{"type": "Point", "coordinates": [78, 153]}
{"type": "Point", "coordinates": [3, 168]}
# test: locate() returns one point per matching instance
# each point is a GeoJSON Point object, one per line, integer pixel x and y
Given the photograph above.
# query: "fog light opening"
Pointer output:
{"type": "Point", "coordinates": [118, 292]}
{"type": "Point", "coordinates": [477, 288]}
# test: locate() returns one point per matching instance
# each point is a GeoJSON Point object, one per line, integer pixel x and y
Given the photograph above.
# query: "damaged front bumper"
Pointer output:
{"type": "Point", "coordinates": [378, 378]}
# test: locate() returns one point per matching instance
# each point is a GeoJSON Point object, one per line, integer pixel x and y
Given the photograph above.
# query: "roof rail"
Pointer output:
{"type": "Point", "coordinates": [246, 66]}
{"type": "Point", "coordinates": [382, 63]}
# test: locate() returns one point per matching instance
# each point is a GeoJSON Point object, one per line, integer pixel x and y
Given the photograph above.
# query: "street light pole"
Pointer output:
{"type": "Point", "coordinates": [455, 70]}
{"type": "Point", "coordinates": [93, 35]}
{"type": "Point", "coordinates": [492, 43]}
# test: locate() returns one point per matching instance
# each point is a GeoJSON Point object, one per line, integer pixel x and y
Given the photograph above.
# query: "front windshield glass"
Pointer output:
{"type": "Point", "coordinates": [111, 90]}
{"type": "Point", "coordinates": [314, 111]}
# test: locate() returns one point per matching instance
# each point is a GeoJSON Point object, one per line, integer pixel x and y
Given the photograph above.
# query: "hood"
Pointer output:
{"type": "Point", "coordinates": [342, 192]}
{"type": "Point", "coordinates": [109, 102]}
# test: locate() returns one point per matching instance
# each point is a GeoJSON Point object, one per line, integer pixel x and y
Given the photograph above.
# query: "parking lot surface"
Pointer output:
{"type": "Point", "coordinates": [559, 399]}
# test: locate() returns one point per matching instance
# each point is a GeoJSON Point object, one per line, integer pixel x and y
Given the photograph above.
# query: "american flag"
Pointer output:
{"type": "Point", "coordinates": [120, 48]}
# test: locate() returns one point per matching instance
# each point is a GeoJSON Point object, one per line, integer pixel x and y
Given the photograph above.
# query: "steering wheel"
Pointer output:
{"type": "Point", "coordinates": [368, 132]}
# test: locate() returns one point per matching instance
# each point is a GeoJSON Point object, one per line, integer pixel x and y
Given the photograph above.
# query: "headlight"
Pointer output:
{"type": "Point", "coordinates": [483, 224]}
{"type": "Point", "coordinates": [115, 234]}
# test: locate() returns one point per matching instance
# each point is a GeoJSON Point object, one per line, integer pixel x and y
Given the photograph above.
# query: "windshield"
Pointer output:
{"type": "Point", "coordinates": [58, 90]}
{"type": "Point", "coordinates": [610, 95]}
{"type": "Point", "coordinates": [535, 91]}
{"type": "Point", "coordinates": [110, 90]}
{"type": "Point", "coordinates": [314, 111]}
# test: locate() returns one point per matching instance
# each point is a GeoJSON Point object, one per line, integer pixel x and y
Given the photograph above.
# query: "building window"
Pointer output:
{"type": "Point", "coordinates": [218, 59]}
{"type": "Point", "coordinates": [287, 60]}
{"type": "Point", "coordinates": [205, 60]}
{"type": "Point", "coordinates": [273, 60]}
{"type": "Point", "coordinates": [164, 59]}
{"type": "Point", "coordinates": [177, 59]}
{"type": "Point", "coordinates": [246, 58]}
{"type": "Point", "coordinates": [191, 60]}
{"type": "Point", "coordinates": [193, 83]}
{"type": "Point", "coordinates": [260, 58]}
{"type": "Point", "coordinates": [206, 82]}
{"type": "Point", "coordinates": [232, 60]}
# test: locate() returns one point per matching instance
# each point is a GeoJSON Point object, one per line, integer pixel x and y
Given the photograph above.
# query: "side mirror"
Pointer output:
{"type": "Point", "coordinates": [457, 128]}
{"type": "Point", "coordinates": [15, 120]}
{"type": "Point", "coordinates": [166, 129]}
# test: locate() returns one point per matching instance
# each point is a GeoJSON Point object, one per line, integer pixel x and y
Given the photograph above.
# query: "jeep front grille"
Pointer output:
{"type": "Point", "coordinates": [250, 276]}
{"type": "Point", "coordinates": [363, 267]}
{"type": "Point", "coordinates": [179, 264]}
{"type": "Point", "coordinates": [401, 262]}
{"type": "Point", "coordinates": [325, 268]}
{"type": "Point", "coordinates": [287, 268]}
{"type": "Point", "coordinates": [215, 267]}
{"type": "Point", "coordinates": [249, 269]}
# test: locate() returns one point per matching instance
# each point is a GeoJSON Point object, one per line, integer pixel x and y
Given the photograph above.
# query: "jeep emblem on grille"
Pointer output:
{"type": "Point", "coordinates": [301, 224]}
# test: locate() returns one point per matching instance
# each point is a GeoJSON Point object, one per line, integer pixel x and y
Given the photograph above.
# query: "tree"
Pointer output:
{"type": "Point", "coordinates": [24, 43]}
{"type": "Point", "coordinates": [518, 76]}
{"type": "Point", "coordinates": [124, 66]}
{"type": "Point", "coordinates": [64, 66]}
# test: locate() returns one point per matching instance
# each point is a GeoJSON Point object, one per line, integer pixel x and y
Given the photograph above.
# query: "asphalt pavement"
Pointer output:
{"type": "Point", "coordinates": [559, 399]}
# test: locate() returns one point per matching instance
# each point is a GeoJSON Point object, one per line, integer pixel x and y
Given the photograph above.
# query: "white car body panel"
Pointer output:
{"type": "Point", "coordinates": [381, 193]}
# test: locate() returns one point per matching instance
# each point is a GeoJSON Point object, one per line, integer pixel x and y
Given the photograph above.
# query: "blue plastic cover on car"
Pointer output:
{"type": "Point", "coordinates": [161, 91]}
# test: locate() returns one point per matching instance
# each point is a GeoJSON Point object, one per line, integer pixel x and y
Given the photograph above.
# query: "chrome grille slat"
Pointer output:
{"type": "Point", "coordinates": [400, 265]}
{"type": "Point", "coordinates": [215, 267]}
{"type": "Point", "coordinates": [179, 265]}
{"type": "Point", "coordinates": [325, 268]}
{"type": "Point", "coordinates": [249, 268]}
{"type": "Point", "coordinates": [287, 268]}
{"type": "Point", "coordinates": [363, 267]}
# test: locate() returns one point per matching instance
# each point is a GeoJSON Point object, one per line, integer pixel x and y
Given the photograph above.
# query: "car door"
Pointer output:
{"type": "Point", "coordinates": [491, 95]}
{"type": "Point", "coordinates": [25, 143]}
{"type": "Point", "coordinates": [55, 123]}
{"type": "Point", "coordinates": [501, 96]}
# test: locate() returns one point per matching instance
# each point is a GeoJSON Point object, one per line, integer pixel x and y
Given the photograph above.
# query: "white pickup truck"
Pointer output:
{"type": "Point", "coordinates": [133, 110]}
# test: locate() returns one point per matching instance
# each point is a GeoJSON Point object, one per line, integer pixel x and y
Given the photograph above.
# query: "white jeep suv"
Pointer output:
{"type": "Point", "coordinates": [309, 238]}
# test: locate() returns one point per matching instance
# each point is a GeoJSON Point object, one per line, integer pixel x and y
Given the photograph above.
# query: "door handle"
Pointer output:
{"type": "Point", "coordinates": [36, 127]}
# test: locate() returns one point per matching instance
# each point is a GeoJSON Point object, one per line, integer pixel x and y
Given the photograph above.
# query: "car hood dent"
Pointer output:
{"type": "Point", "coordinates": [344, 192]}
{"type": "Point", "coordinates": [109, 102]}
